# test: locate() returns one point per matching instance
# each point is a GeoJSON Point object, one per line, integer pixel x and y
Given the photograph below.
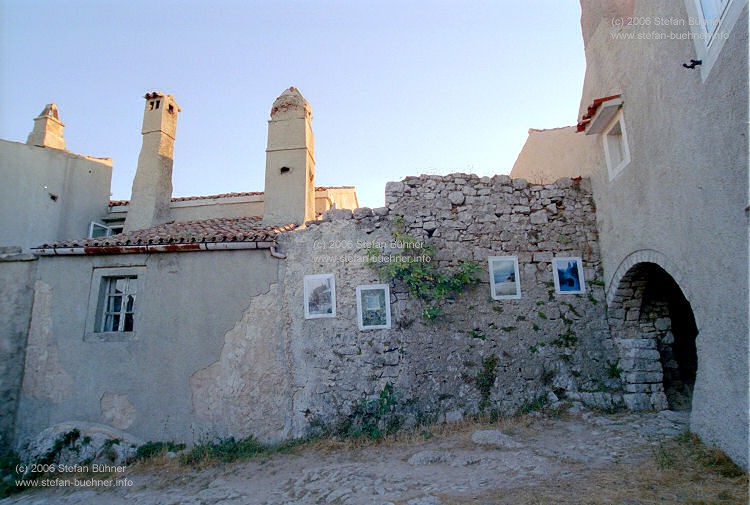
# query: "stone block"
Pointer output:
{"type": "Point", "coordinates": [394, 187]}
{"type": "Point", "coordinates": [643, 377]}
{"type": "Point", "coordinates": [539, 217]}
{"type": "Point", "coordinates": [542, 257]}
{"type": "Point", "coordinates": [636, 343]}
{"type": "Point", "coordinates": [641, 353]}
{"type": "Point", "coordinates": [456, 197]}
{"type": "Point", "coordinates": [637, 401]}
{"type": "Point", "coordinates": [362, 212]}
{"type": "Point", "coordinates": [519, 183]}
{"type": "Point", "coordinates": [663, 323]}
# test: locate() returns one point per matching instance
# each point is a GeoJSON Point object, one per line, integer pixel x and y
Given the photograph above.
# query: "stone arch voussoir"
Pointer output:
{"type": "Point", "coordinates": [638, 336]}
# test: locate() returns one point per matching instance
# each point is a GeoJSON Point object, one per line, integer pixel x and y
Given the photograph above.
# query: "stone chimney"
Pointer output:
{"type": "Point", "coordinates": [48, 130]}
{"type": "Point", "coordinates": [290, 162]}
{"type": "Point", "coordinates": [152, 186]}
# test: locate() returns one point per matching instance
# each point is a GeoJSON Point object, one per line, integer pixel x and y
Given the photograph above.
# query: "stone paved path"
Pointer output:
{"type": "Point", "coordinates": [454, 468]}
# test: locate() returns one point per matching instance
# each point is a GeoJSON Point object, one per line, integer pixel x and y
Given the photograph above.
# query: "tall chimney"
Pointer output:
{"type": "Point", "coordinates": [290, 162]}
{"type": "Point", "coordinates": [152, 186]}
{"type": "Point", "coordinates": [48, 130]}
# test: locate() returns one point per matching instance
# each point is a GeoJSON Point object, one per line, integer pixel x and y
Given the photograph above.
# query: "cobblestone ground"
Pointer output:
{"type": "Point", "coordinates": [463, 466]}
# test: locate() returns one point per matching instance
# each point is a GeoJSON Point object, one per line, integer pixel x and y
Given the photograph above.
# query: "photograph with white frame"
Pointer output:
{"type": "Point", "coordinates": [374, 307]}
{"type": "Point", "coordinates": [320, 296]}
{"type": "Point", "coordinates": [567, 272]}
{"type": "Point", "coordinates": [505, 282]}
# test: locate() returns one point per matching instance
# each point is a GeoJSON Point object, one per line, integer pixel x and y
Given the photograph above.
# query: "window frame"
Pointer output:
{"type": "Point", "coordinates": [562, 261]}
{"type": "Point", "coordinates": [617, 120]}
{"type": "Point", "coordinates": [308, 282]}
{"type": "Point", "coordinates": [382, 288]}
{"type": "Point", "coordinates": [98, 298]}
{"type": "Point", "coordinates": [707, 45]}
{"type": "Point", "coordinates": [94, 225]}
{"type": "Point", "coordinates": [491, 260]}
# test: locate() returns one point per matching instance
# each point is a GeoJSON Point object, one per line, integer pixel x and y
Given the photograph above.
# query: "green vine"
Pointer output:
{"type": "Point", "coordinates": [486, 380]}
{"type": "Point", "coordinates": [416, 270]}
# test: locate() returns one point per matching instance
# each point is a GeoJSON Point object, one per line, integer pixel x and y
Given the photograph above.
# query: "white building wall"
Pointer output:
{"type": "Point", "coordinates": [49, 194]}
{"type": "Point", "coordinates": [684, 195]}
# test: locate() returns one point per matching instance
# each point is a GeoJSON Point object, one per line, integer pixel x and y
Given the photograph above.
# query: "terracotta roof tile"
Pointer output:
{"type": "Point", "coordinates": [591, 110]}
{"type": "Point", "coordinates": [241, 229]}
{"type": "Point", "coordinates": [116, 203]}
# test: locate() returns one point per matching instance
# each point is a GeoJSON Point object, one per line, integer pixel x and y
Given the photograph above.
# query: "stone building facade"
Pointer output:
{"type": "Point", "coordinates": [663, 135]}
{"type": "Point", "coordinates": [216, 337]}
{"type": "Point", "coordinates": [244, 360]}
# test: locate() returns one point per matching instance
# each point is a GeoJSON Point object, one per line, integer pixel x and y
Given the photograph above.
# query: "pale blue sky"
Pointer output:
{"type": "Point", "coordinates": [397, 87]}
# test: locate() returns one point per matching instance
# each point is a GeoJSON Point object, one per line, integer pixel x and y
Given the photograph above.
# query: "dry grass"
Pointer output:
{"type": "Point", "coordinates": [419, 435]}
{"type": "Point", "coordinates": [681, 471]}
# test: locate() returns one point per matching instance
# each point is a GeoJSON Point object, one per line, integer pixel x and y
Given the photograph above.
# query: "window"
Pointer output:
{"type": "Point", "coordinates": [711, 22]}
{"type": "Point", "coordinates": [616, 148]}
{"type": "Point", "coordinates": [711, 12]}
{"type": "Point", "coordinates": [118, 303]}
{"type": "Point", "coordinates": [97, 230]}
{"type": "Point", "coordinates": [113, 304]}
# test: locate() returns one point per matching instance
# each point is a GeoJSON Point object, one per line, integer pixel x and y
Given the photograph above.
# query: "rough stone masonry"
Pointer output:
{"type": "Point", "coordinates": [547, 346]}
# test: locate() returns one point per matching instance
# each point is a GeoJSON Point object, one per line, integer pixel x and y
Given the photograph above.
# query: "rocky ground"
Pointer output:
{"type": "Point", "coordinates": [579, 457]}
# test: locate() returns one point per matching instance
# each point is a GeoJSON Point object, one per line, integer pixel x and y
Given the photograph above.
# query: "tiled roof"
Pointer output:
{"type": "Point", "coordinates": [116, 203]}
{"type": "Point", "coordinates": [241, 229]}
{"type": "Point", "coordinates": [591, 110]}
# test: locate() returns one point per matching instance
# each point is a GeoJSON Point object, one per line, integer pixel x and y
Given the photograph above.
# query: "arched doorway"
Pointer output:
{"type": "Point", "coordinates": [654, 331]}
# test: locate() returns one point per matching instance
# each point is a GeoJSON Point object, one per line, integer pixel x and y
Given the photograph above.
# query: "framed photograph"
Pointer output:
{"type": "Point", "coordinates": [320, 296]}
{"type": "Point", "coordinates": [505, 283]}
{"type": "Point", "coordinates": [373, 307]}
{"type": "Point", "coordinates": [568, 276]}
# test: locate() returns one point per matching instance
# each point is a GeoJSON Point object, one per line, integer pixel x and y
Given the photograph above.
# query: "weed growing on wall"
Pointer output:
{"type": "Point", "coordinates": [486, 380]}
{"type": "Point", "coordinates": [415, 269]}
{"type": "Point", "coordinates": [373, 418]}
{"type": "Point", "coordinates": [152, 449]}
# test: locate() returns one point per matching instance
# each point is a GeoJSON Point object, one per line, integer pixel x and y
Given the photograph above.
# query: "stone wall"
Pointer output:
{"type": "Point", "coordinates": [243, 360]}
{"type": "Point", "coordinates": [547, 346]}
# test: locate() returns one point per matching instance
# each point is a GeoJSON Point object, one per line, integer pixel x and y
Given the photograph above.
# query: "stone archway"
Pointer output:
{"type": "Point", "coordinates": [654, 331]}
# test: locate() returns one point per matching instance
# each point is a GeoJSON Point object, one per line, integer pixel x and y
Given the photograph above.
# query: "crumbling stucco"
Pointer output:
{"type": "Point", "coordinates": [246, 392]}
{"type": "Point", "coordinates": [44, 375]}
{"type": "Point", "coordinates": [117, 410]}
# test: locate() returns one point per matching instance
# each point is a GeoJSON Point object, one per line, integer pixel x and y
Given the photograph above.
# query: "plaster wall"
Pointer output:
{"type": "Point", "coordinates": [290, 170]}
{"type": "Point", "coordinates": [49, 194]}
{"type": "Point", "coordinates": [683, 197]}
{"type": "Point", "coordinates": [222, 347]}
{"type": "Point", "coordinates": [186, 303]}
{"type": "Point", "coordinates": [341, 198]}
{"type": "Point", "coordinates": [278, 372]}
{"type": "Point", "coordinates": [17, 272]}
{"type": "Point", "coordinates": [548, 155]}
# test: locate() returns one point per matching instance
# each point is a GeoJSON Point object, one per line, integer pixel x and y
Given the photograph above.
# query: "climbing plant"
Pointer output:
{"type": "Point", "coordinates": [416, 270]}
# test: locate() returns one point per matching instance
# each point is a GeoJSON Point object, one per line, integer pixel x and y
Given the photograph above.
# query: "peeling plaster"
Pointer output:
{"type": "Point", "coordinates": [246, 392]}
{"type": "Point", "coordinates": [44, 376]}
{"type": "Point", "coordinates": [117, 410]}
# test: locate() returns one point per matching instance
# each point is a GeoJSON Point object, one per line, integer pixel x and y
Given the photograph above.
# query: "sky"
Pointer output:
{"type": "Point", "coordinates": [397, 87]}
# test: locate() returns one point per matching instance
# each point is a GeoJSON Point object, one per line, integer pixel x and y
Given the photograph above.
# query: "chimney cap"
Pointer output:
{"type": "Point", "coordinates": [289, 101]}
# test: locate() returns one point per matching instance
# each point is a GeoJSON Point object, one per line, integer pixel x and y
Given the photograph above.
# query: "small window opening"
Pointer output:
{"type": "Point", "coordinates": [97, 230]}
{"type": "Point", "coordinates": [158, 102]}
{"type": "Point", "coordinates": [171, 109]}
{"type": "Point", "coordinates": [285, 170]}
{"type": "Point", "coordinates": [151, 105]}
{"type": "Point", "coordinates": [616, 148]}
{"type": "Point", "coordinates": [118, 304]}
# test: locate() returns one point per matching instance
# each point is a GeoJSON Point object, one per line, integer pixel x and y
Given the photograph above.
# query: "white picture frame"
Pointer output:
{"type": "Point", "coordinates": [505, 281]}
{"type": "Point", "coordinates": [567, 273]}
{"type": "Point", "coordinates": [319, 296]}
{"type": "Point", "coordinates": [374, 307]}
